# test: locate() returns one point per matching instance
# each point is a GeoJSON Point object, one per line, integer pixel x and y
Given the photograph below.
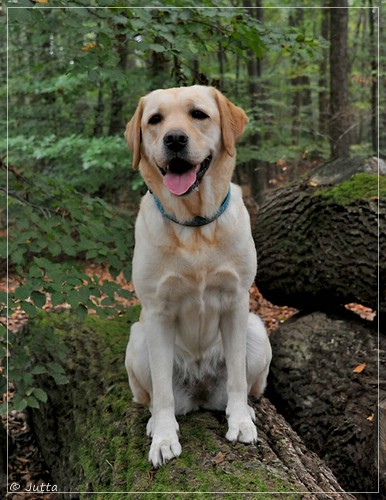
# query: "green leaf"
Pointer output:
{"type": "Point", "coordinates": [68, 246]}
{"type": "Point", "coordinates": [91, 254]}
{"type": "Point", "coordinates": [20, 405]}
{"type": "Point", "coordinates": [156, 47]}
{"type": "Point", "coordinates": [81, 312]}
{"type": "Point", "coordinates": [60, 378]}
{"type": "Point", "coordinates": [32, 402]}
{"type": "Point", "coordinates": [57, 299]}
{"type": "Point", "coordinates": [73, 298]}
{"type": "Point", "coordinates": [114, 262]}
{"type": "Point", "coordinates": [40, 395]}
{"type": "Point", "coordinates": [43, 263]}
{"type": "Point", "coordinates": [54, 368]}
{"type": "Point", "coordinates": [23, 292]}
{"type": "Point", "coordinates": [125, 293]}
{"type": "Point", "coordinates": [55, 249]}
{"type": "Point", "coordinates": [29, 309]}
{"type": "Point", "coordinates": [39, 299]}
{"type": "Point", "coordinates": [38, 370]}
{"type": "Point", "coordinates": [34, 272]}
{"type": "Point", "coordinates": [17, 256]}
{"type": "Point", "coordinates": [108, 301]}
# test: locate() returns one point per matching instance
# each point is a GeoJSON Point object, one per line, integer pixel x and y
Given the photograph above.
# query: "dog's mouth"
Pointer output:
{"type": "Point", "coordinates": [182, 177]}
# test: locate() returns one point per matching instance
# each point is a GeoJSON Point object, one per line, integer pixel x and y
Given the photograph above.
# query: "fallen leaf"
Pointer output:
{"type": "Point", "coordinates": [370, 418]}
{"type": "Point", "coordinates": [89, 46]}
{"type": "Point", "coordinates": [359, 368]}
{"type": "Point", "coordinates": [219, 458]}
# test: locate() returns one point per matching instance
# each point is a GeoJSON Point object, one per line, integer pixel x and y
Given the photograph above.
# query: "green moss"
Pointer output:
{"type": "Point", "coordinates": [360, 187]}
{"type": "Point", "coordinates": [109, 448]}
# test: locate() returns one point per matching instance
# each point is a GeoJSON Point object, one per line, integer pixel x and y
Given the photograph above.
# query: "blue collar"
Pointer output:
{"type": "Point", "coordinates": [198, 220]}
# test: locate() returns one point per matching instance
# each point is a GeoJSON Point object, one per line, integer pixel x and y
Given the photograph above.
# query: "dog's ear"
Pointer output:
{"type": "Point", "coordinates": [233, 121]}
{"type": "Point", "coordinates": [133, 134]}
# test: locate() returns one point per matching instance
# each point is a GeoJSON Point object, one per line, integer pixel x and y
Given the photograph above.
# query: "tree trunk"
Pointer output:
{"type": "Point", "coordinates": [374, 80]}
{"type": "Point", "coordinates": [317, 245]}
{"type": "Point", "coordinates": [99, 110]}
{"type": "Point", "coordinates": [256, 168]}
{"type": "Point", "coordinates": [300, 83]}
{"type": "Point", "coordinates": [93, 437]}
{"type": "Point", "coordinates": [117, 96]}
{"type": "Point", "coordinates": [324, 380]}
{"type": "Point", "coordinates": [339, 98]}
{"type": "Point", "coordinates": [323, 101]}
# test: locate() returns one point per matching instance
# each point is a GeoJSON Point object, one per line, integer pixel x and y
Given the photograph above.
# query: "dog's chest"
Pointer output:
{"type": "Point", "coordinates": [200, 290]}
{"type": "Point", "coordinates": [194, 280]}
{"type": "Point", "coordinates": [194, 301]}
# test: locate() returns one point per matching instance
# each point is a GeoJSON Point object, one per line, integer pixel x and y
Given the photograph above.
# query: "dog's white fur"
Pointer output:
{"type": "Point", "coordinates": [196, 345]}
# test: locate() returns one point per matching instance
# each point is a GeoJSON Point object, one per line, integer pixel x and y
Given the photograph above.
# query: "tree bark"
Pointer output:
{"type": "Point", "coordinates": [93, 437]}
{"type": "Point", "coordinates": [324, 380]}
{"type": "Point", "coordinates": [374, 79]}
{"type": "Point", "coordinates": [314, 252]}
{"type": "Point", "coordinates": [300, 83]}
{"type": "Point", "coordinates": [117, 102]}
{"type": "Point", "coordinates": [323, 101]}
{"type": "Point", "coordinates": [99, 110]}
{"type": "Point", "coordinates": [256, 168]}
{"type": "Point", "coordinates": [339, 95]}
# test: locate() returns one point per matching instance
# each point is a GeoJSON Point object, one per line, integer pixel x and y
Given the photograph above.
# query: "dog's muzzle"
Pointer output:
{"type": "Point", "coordinates": [182, 177]}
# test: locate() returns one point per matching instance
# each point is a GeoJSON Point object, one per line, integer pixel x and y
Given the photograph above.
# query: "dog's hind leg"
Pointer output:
{"type": "Point", "coordinates": [137, 365]}
{"type": "Point", "coordinates": [259, 355]}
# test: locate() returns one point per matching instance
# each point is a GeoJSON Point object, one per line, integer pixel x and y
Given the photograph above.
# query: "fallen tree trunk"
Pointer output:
{"type": "Point", "coordinates": [324, 380]}
{"type": "Point", "coordinates": [317, 245]}
{"type": "Point", "coordinates": [93, 437]}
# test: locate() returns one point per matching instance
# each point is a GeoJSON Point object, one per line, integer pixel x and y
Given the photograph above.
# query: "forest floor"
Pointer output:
{"type": "Point", "coordinates": [26, 465]}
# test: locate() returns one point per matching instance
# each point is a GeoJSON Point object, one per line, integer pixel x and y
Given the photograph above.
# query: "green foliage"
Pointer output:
{"type": "Point", "coordinates": [28, 361]}
{"type": "Point", "coordinates": [55, 230]}
{"type": "Point", "coordinates": [88, 164]}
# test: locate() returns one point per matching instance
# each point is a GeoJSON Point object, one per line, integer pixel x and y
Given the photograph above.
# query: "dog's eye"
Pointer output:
{"type": "Point", "coordinates": [198, 114]}
{"type": "Point", "coordinates": [153, 120]}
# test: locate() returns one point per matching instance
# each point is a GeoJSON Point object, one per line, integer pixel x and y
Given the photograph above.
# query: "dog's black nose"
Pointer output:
{"type": "Point", "coordinates": [175, 140]}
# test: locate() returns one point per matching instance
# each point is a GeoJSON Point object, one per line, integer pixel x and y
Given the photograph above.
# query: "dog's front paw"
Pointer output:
{"type": "Point", "coordinates": [164, 448]}
{"type": "Point", "coordinates": [163, 428]}
{"type": "Point", "coordinates": [241, 427]}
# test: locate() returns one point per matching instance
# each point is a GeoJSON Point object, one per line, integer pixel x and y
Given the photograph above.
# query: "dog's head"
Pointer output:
{"type": "Point", "coordinates": [178, 135]}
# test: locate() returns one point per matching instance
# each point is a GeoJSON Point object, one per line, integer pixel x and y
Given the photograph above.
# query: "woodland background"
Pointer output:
{"type": "Point", "coordinates": [307, 77]}
{"type": "Point", "coordinates": [72, 74]}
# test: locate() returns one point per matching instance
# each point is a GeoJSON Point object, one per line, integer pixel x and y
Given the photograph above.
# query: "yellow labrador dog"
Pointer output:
{"type": "Point", "coordinates": [196, 345]}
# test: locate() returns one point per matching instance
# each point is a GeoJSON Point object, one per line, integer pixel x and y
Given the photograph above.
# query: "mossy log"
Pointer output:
{"type": "Point", "coordinates": [92, 435]}
{"type": "Point", "coordinates": [317, 244]}
{"type": "Point", "coordinates": [324, 380]}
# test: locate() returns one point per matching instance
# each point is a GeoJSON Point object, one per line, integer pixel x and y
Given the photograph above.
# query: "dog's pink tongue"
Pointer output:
{"type": "Point", "coordinates": [178, 184]}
